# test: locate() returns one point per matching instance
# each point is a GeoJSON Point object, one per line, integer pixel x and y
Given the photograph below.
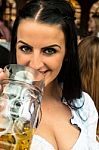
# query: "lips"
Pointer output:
{"type": "Point", "coordinates": [43, 72]}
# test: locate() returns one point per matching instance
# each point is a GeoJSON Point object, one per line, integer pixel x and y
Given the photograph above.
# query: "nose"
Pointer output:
{"type": "Point", "coordinates": [36, 61]}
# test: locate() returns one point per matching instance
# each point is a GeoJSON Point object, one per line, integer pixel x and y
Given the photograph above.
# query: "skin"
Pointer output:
{"type": "Point", "coordinates": [92, 25]}
{"type": "Point", "coordinates": [37, 52]}
{"type": "Point", "coordinates": [42, 47]}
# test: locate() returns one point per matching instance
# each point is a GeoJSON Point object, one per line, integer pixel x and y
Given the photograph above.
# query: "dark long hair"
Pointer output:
{"type": "Point", "coordinates": [55, 12]}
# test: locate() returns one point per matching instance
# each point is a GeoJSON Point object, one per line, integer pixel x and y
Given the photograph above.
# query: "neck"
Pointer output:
{"type": "Point", "coordinates": [52, 91]}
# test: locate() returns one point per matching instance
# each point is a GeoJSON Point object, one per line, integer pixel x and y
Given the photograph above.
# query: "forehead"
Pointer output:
{"type": "Point", "coordinates": [32, 30]}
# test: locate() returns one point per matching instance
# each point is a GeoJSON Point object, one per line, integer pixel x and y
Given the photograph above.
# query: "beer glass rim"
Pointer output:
{"type": "Point", "coordinates": [21, 73]}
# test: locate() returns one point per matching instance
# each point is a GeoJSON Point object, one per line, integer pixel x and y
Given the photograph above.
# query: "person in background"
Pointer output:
{"type": "Point", "coordinates": [94, 24]}
{"type": "Point", "coordinates": [4, 56]}
{"type": "Point", "coordinates": [5, 33]}
{"type": "Point", "coordinates": [88, 50]}
{"type": "Point", "coordinates": [44, 38]}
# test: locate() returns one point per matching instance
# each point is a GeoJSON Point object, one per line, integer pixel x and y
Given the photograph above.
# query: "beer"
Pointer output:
{"type": "Point", "coordinates": [16, 142]}
{"type": "Point", "coordinates": [20, 111]}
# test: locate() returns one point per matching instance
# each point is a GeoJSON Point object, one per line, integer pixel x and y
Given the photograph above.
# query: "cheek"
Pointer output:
{"type": "Point", "coordinates": [57, 67]}
{"type": "Point", "coordinates": [55, 64]}
{"type": "Point", "coordinates": [21, 59]}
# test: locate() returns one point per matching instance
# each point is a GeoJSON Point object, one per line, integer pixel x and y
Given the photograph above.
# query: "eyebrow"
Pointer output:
{"type": "Point", "coordinates": [53, 45]}
{"type": "Point", "coordinates": [24, 43]}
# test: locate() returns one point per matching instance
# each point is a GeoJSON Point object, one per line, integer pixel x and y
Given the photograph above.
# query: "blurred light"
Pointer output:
{"type": "Point", "coordinates": [11, 1]}
{"type": "Point", "coordinates": [74, 3]}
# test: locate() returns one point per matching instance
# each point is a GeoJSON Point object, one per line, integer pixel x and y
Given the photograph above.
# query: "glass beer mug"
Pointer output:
{"type": "Point", "coordinates": [20, 111]}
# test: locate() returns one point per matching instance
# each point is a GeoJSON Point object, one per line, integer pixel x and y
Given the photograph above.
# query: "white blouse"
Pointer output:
{"type": "Point", "coordinates": [86, 119]}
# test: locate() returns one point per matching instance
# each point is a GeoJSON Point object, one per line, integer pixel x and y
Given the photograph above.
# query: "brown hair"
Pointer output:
{"type": "Point", "coordinates": [88, 50]}
{"type": "Point", "coordinates": [96, 18]}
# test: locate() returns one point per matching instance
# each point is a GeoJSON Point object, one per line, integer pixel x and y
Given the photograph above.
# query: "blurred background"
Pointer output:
{"type": "Point", "coordinates": [83, 10]}
{"type": "Point", "coordinates": [86, 17]}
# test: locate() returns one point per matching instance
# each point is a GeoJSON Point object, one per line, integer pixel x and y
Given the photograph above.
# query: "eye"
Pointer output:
{"type": "Point", "coordinates": [49, 51]}
{"type": "Point", "coordinates": [25, 48]}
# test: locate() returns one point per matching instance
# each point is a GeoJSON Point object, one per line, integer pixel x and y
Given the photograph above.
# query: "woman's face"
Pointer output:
{"type": "Point", "coordinates": [40, 46]}
{"type": "Point", "coordinates": [92, 24]}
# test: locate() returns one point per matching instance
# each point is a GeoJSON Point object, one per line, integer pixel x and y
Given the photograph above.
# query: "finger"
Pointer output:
{"type": "Point", "coordinates": [1, 70]}
{"type": "Point", "coordinates": [2, 75]}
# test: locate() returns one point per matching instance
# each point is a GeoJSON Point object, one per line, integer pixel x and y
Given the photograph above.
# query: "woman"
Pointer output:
{"type": "Point", "coordinates": [4, 32]}
{"type": "Point", "coordinates": [4, 56]}
{"type": "Point", "coordinates": [94, 24]}
{"type": "Point", "coordinates": [44, 38]}
{"type": "Point", "coordinates": [88, 50]}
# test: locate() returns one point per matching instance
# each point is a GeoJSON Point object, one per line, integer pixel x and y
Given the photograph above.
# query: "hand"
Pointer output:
{"type": "Point", "coordinates": [3, 75]}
